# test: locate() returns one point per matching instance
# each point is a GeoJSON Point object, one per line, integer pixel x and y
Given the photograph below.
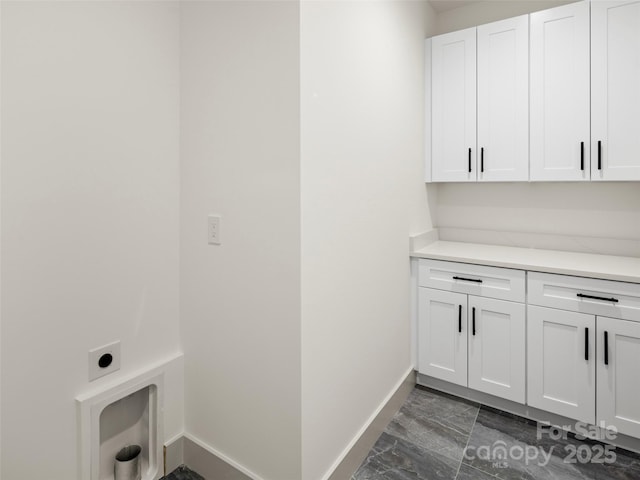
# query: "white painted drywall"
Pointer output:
{"type": "Point", "coordinates": [362, 149]}
{"type": "Point", "coordinates": [603, 210]}
{"type": "Point", "coordinates": [422, 196]}
{"type": "Point", "coordinates": [0, 242]}
{"type": "Point", "coordinates": [240, 301]}
{"type": "Point", "coordinates": [90, 227]}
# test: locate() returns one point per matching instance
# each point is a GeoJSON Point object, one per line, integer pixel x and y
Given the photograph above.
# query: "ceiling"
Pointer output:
{"type": "Point", "coordinates": [444, 5]}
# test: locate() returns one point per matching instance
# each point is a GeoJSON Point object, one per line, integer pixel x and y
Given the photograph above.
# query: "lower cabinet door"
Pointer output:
{"type": "Point", "coordinates": [442, 335]}
{"type": "Point", "coordinates": [497, 347]}
{"type": "Point", "coordinates": [561, 362]}
{"type": "Point", "coordinates": [618, 387]}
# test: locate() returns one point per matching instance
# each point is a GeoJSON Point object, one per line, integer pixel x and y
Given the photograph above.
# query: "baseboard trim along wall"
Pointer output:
{"type": "Point", "coordinates": [188, 450]}
{"type": "Point", "coordinates": [173, 454]}
{"type": "Point", "coordinates": [210, 463]}
{"type": "Point", "coordinates": [359, 447]}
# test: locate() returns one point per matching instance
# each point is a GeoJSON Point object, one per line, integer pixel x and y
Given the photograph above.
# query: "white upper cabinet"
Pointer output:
{"type": "Point", "coordinates": [480, 116]}
{"type": "Point", "coordinates": [503, 100]}
{"type": "Point", "coordinates": [560, 131]}
{"type": "Point", "coordinates": [453, 77]}
{"type": "Point", "coordinates": [615, 92]}
{"type": "Point", "coordinates": [552, 96]}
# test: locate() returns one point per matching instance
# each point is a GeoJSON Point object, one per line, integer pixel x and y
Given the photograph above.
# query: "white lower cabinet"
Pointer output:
{"type": "Point", "coordinates": [585, 367]}
{"type": "Point", "coordinates": [496, 348]}
{"type": "Point", "coordinates": [571, 347]}
{"type": "Point", "coordinates": [442, 332]}
{"type": "Point", "coordinates": [618, 392]}
{"type": "Point", "coordinates": [472, 341]}
{"type": "Point", "coordinates": [561, 359]}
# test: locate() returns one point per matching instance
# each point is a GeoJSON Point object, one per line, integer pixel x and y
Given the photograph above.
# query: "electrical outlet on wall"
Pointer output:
{"type": "Point", "coordinates": [213, 230]}
{"type": "Point", "coordinates": [104, 360]}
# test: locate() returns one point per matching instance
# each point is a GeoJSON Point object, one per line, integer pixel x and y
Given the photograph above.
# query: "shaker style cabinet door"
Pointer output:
{"type": "Point", "coordinates": [453, 116]}
{"type": "Point", "coordinates": [442, 335]}
{"type": "Point", "coordinates": [618, 397]}
{"type": "Point", "coordinates": [559, 82]}
{"type": "Point", "coordinates": [615, 90]}
{"type": "Point", "coordinates": [497, 347]}
{"type": "Point", "coordinates": [503, 100]}
{"type": "Point", "coordinates": [561, 362]}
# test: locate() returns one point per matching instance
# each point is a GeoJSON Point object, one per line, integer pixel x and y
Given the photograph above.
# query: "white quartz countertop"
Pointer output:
{"type": "Point", "coordinates": [624, 269]}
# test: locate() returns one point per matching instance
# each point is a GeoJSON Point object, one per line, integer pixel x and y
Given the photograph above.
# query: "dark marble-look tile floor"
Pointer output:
{"type": "Point", "coordinates": [437, 436]}
{"type": "Point", "coordinates": [183, 473]}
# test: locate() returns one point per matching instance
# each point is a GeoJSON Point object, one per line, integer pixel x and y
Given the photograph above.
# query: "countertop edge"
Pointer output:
{"type": "Point", "coordinates": [533, 267]}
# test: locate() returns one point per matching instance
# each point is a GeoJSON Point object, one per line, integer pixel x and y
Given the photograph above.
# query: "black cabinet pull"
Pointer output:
{"type": "Point", "coordinates": [459, 318]}
{"type": "Point", "coordinates": [582, 156]}
{"type": "Point", "coordinates": [599, 155]}
{"type": "Point", "coordinates": [606, 348]}
{"type": "Point", "coordinates": [468, 279]}
{"type": "Point", "coordinates": [482, 159]}
{"type": "Point", "coordinates": [582, 295]}
{"type": "Point", "coordinates": [473, 320]}
{"type": "Point", "coordinates": [586, 344]}
{"type": "Point", "coordinates": [469, 160]}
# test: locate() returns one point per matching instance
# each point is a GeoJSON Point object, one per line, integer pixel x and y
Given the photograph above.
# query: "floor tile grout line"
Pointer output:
{"type": "Point", "coordinates": [481, 471]}
{"type": "Point", "coordinates": [468, 440]}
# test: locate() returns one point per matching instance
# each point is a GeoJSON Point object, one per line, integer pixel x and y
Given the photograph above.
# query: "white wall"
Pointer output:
{"type": "Point", "coordinates": [90, 189]}
{"type": "Point", "coordinates": [0, 242]}
{"type": "Point", "coordinates": [240, 302]}
{"type": "Point", "coordinates": [609, 211]}
{"type": "Point", "coordinates": [422, 196]}
{"type": "Point", "coordinates": [362, 118]}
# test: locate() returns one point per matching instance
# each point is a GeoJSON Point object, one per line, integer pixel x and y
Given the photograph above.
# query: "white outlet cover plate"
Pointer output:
{"type": "Point", "coordinates": [95, 371]}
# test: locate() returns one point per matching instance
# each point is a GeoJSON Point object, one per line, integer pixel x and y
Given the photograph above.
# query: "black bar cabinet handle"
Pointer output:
{"type": "Point", "coordinates": [469, 160]}
{"type": "Point", "coordinates": [482, 159]}
{"type": "Point", "coordinates": [586, 344]}
{"type": "Point", "coordinates": [459, 318]}
{"type": "Point", "coordinates": [477, 280]}
{"type": "Point", "coordinates": [473, 320]}
{"type": "Point", "coordinates": [606, 348]}
{"type": "Point", "coordinates": [582, 295]}
{"type": "Point", "coordinates": [582, 156]}
{"type": "Point", "coordinates": [599, 155]}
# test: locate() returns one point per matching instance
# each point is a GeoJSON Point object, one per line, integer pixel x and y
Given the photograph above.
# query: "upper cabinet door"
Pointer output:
{"type": "Point", "coordinates": [453, 77]}
{"type": "Point", "coordinates": [503, 100]}
{"type": "Point", "coordinates": [560, 131]}
{"type": "Point", "coordinates": [615, 90]}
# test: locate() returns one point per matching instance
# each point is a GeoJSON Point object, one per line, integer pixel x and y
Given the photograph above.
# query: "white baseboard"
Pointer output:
{"type": "Point", "coordinates": [173, 453]}
{"type": "Point", "coordinates": [211, 463]}
{"type": "Point", "coordinates": [349, 460]}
